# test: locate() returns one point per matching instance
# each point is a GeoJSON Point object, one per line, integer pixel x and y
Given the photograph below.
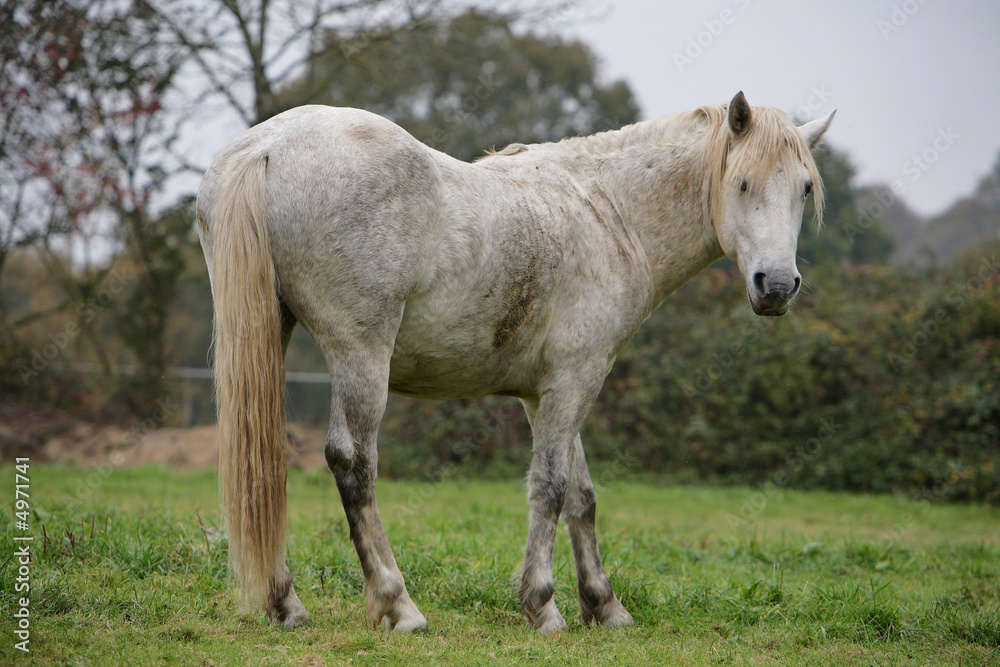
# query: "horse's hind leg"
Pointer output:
{"type": "Point", "coordinates": [359, 370]}
{"type": "Point", "coordinates": [597, 599]}
{"type": "Point", "coordinates": [288, 609]}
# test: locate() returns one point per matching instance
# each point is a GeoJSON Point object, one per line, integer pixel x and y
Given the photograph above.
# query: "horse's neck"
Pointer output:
{"type": "Point", "coordinates": [652, 180]}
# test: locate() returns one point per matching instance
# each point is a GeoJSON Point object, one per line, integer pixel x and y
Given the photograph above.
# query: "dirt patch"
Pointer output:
{"type": "Point", "coordinates": [57, 436]}
{"type": "Point", "coordinates": [24, 429]}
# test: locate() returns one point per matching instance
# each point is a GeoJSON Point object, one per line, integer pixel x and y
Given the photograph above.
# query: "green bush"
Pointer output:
{"type": "Point", "coordinates": [883, 379]}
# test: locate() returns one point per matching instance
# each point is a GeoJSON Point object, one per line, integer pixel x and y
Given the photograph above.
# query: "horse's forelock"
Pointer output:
{"type": "Point", "coordinates": [772, 137]}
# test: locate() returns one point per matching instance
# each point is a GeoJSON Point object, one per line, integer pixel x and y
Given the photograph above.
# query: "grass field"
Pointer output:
{"type": "Point", "coordinates": [131, 570]}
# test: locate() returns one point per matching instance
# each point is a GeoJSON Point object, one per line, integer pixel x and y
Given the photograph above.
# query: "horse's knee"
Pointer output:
{"type": "Point", "coordinates": [581, 504]}
{"type": "Point", "coordinates": [547, 489]}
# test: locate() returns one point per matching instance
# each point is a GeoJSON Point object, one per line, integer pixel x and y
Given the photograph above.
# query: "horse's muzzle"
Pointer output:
{"type": "Point", "coordinates": [766, 311]}
{"type": "Point", "coordinates": [770, 294]}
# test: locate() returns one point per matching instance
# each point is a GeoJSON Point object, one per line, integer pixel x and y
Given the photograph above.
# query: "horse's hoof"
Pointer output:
{"type": "Point", "coordinates": [613, 614]}
{"type": "Point", "coordinates": [620, 618]}
{"type": "Point", "coordinates": [295, 620]}
{"type": "Point", "coordinates": [289, 611]}
{"type": "Point", "coordinates": [405, 617]}
{"type": "Point", "coordinates": [289, 619]}
{"type": "Point", "coordinates": [551, 626]}
{"type": "Point", "coordinates": [415, 623]}
{"type": "Point", "coordinates": [549, 619]}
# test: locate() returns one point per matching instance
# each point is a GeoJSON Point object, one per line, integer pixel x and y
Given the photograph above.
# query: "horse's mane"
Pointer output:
{"type": "Point", "coordinates": [510, 149]}
{"type": "Point", "coordinates": [771, 137]}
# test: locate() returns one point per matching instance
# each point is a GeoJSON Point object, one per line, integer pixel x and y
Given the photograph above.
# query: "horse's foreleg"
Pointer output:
{"type": "Point", "coordinates": [546, 494]}
{"type": "Point", "coordinates": [597, 598]}
{"type": "Point", "coordinates": [359, 395]}
{"type": "Point", "coordinates": [555, 420]}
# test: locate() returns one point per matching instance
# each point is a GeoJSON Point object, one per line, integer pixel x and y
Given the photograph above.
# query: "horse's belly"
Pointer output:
{"type": "Point", "coordinates": [440, 378]}
{"type": "Point", "coordinates": [479, 318]}
{"type": "Point", "coordinates": [441, 373]}
{"type": "Point", "coordinates": [443, 353]}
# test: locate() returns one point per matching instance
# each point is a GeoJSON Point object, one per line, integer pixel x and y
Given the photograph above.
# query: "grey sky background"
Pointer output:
{"type": "Point", "coordinates": [908, 78]}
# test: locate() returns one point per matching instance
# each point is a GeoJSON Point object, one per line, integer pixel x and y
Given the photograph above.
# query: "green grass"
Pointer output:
{"type": "Point", "coordinates": [133, 572]}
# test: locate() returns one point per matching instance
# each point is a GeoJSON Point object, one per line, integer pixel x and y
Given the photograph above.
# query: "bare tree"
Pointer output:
{"type": "Point", "coordinates": [248, 50]}
{"type": "Point", "coordinates": [83, 145]}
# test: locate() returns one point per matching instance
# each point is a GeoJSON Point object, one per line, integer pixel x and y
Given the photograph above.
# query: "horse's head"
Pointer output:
{"type": "Point", "coordinates": [765, 174]}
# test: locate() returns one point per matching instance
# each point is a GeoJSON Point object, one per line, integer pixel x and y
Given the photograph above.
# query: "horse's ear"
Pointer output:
{"type": "Point", "coordinates": [739, 115]}
{"type": "Point", "coordinates": [813, 131]}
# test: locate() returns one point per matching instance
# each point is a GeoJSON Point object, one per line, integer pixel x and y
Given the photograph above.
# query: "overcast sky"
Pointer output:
{"type": "Point", "coordinates": [916, 83]}
{"type": "Point", "coordinates": [908, 77]}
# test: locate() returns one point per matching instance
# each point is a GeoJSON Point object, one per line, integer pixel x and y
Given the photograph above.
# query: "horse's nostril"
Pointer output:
{"type": "Point", "coordinates": [798, 282]}
{"type": "Point", "coordinates": [758, 282]}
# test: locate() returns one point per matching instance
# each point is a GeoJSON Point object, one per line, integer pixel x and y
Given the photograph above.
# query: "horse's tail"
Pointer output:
{"type": "Point", "coordinates": [249, 383]}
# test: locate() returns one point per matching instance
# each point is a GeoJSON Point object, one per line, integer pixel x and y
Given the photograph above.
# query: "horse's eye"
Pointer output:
{"type": "Point", "coordinates": [743, 185]}
{"type": "Point", "coordinates": [809, 188]}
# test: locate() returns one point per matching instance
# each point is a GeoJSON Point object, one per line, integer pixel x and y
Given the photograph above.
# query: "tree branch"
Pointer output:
{"type": "Point", "coordinates": [194, 51]}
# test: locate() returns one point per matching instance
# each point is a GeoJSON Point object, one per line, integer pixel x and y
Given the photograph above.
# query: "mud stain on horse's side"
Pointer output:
{"type": "Point", "coordinates": [518, 297]}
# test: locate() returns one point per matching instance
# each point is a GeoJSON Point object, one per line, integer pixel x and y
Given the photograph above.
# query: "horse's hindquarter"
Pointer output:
{"type": "Point", "coordinates": [523, 277]}
{"type": "Point", "coordinates": [352, 201]}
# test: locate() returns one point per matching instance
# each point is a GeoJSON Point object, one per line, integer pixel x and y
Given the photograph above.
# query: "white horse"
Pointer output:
{"type": "Point", "coordinates": [522, 274]}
